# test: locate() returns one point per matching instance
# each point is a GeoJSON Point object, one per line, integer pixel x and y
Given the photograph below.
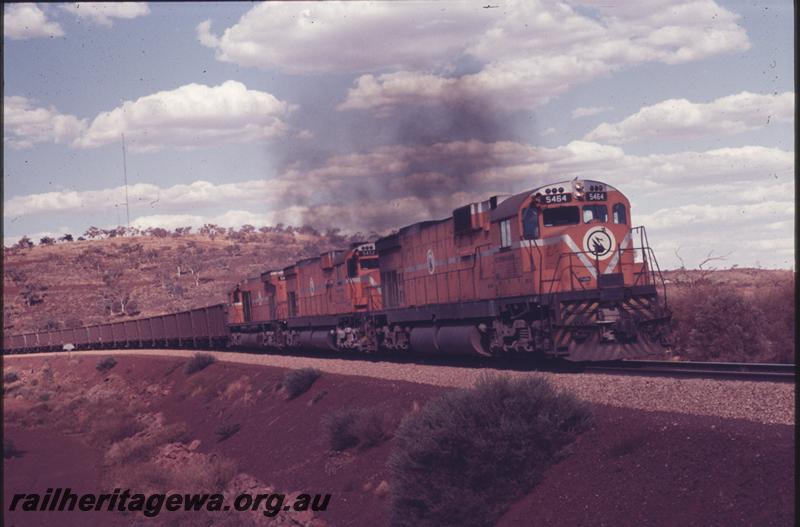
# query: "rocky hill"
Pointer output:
{"type": "Point", "coordinates": [69, 284]}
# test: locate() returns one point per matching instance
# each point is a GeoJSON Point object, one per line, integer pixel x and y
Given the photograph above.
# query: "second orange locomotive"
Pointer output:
{"type": "Point", "coordinates": [557, 271]}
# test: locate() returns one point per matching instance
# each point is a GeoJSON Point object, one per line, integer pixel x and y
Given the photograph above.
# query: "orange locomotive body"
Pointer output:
{"type": "Point", "coordinates": [556, 271]}
{"type": "Point", "coordinates": [324, 297]}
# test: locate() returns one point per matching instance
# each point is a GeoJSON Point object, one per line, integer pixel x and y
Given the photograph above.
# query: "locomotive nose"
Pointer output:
{"type": "Point", "coordinates": [612, 332]}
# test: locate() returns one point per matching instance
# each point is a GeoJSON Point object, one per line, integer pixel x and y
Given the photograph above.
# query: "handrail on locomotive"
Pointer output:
{"type": "Point", "coordinates": [648, 272]}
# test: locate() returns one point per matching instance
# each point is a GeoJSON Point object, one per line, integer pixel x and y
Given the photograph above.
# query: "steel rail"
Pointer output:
{"type": "Point", "coordinates": [720, 370]}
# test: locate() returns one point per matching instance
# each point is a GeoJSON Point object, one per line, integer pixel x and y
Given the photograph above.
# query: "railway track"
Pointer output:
{"type": "Point", "coordinates": [718, 370]}
{"type": "Point", "coordinates": [706, 370]}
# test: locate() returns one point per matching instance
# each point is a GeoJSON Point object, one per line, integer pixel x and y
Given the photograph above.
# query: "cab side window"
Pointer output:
{"type": "Point", "coordinates": [505, 233]}
{"type": "Point", "coordinates": [619, 214]}
{"type": "Point", "coordinates": [530, 223]}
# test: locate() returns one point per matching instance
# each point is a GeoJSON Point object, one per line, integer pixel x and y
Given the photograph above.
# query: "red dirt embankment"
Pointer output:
{"type": "Point", "coordinates": [75, 426]}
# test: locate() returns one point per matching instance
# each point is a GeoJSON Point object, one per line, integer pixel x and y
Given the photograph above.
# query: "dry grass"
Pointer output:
{"type": "Point", "coordinates": [208, 473]}
{"type": "Point", "coordinates": [141, 446]}
{"type": "Point", "coordinates": [240, 390]}
{"type": "Point", "coordinates": [116, 428]}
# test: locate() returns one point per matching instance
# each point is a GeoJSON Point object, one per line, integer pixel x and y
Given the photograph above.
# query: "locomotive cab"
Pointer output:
{"type": "Point", "coordinates": [579, 235]}
{"type": "Point", "coordinates": [363, 276]}
{"type": "Point", "coordinates": [577, 244]}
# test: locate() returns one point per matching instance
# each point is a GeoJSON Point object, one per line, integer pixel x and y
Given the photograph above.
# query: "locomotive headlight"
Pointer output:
{"type": "Point", "coordinates": [577, 187]}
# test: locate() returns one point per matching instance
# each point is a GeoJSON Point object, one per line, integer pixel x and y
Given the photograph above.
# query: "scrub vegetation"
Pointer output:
{"type": "Point", "coordinates": [355, 427]}
{"type": "Point", "coordinates": [198, 362]}
{"type": "Point", "coordinates": [464, 457]}
{"type": "Point", "coordinates": [297, 382]}
{"type": "Point", "coordinates": [719, 318]}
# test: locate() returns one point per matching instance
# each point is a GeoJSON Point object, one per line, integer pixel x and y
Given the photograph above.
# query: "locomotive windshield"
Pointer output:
{"type": "Point", "coordinates": [619, 213]}
{"type": "Point", "coordinates": [371, 263]}
{"type": "Point", "coordinates": [561, 216]}
{"type": "Point", "coordinates": [595, 212]}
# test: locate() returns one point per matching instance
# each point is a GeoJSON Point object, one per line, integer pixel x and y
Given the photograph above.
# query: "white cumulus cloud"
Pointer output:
{"type": "Point", "coordinates": [534, 51]}
{"type": "Point", "coordinates": [587, 111]}
{"type": "Point", "coordinates": [103, 13]}
{"type": "Point", "coordinates": [682, 118]}
{"type": "Point", "coordinates": [147, 195]}
{"type": "Point", "coordinates": [525, 53]}
{"type": "Point", "coordinates": [322, 37]}
{"type": "Point", "coordinates": [191, 116]}
{"type": "Point", "coordinates": [27, 20]}
{"type": "Point", "coordinates": [25, 124]}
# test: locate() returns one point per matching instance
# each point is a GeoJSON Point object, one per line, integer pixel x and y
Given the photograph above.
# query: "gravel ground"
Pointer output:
{"type": "Point", "coordinates": [763, 402]}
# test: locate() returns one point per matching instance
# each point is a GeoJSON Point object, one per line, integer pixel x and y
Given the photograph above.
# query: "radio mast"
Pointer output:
{"type": "Point", "coordinates": [125, 174]}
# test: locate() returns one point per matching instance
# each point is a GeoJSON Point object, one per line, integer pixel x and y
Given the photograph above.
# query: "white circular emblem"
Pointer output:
{"type": "Point", "coordinates": [431, 262]}
{"type": "Point", "coordinates": [599, 242]}
{"type": "Point", "coordinates": [311, 287]}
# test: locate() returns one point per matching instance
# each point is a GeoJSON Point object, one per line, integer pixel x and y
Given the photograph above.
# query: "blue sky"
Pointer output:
{"type": "Point", "coordinates": [374, 115]}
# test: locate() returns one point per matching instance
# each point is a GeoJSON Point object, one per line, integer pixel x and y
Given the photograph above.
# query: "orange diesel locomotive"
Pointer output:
{"type": "Point", "coordinates": [557, 271]}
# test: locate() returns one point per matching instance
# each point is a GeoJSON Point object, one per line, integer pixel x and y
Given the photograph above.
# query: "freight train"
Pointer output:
{"type": "Point", "coordinates": [557, 271]}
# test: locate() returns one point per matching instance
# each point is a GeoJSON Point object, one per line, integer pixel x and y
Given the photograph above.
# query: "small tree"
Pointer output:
{"type": "Point", "coordinates": [308, 229]}
{"type": "Point", "coordinates": [117, 297]}
{"type": "Point", "coordinates": [157, 232]}
{"type": "Point", "coordinates": [46, 240]}
{"type": "Point", "coordinates": [212, 231]}
{"type": "Point", "coordinates": [66, 238]}
{"type": "Point", "coordinates": [24, 243]}
{"type": "Point", "coordinates": [92, 233]}
{"type": "Point", "coordinates": [33, 294]}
